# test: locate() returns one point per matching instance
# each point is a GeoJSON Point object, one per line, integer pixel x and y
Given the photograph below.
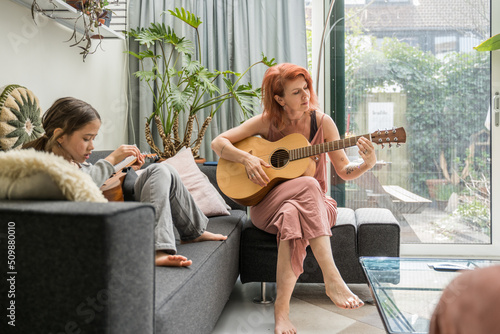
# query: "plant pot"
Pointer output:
{"type": "Point", "coordinates": [107, 17]}
{"type": "Point", "coordinates": [77, 4]}
{"type": "Point", "coordinates": [441, 205]}
{"type": "Point", "coordinates": [433, 185]}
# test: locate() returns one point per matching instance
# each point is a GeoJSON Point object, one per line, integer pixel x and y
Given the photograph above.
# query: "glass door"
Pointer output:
{"type": "Point", "coordinates": [411, 64]}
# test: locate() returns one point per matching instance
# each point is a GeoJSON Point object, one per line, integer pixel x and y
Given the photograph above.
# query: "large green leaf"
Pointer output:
{"type": "Point", "coordinates": [145, 75]}
{"type": "Point", "coordinates": [204, 78]}
{"type": "Point", "coordinates": [191, 66]}
{"type": "Point", "coordinates": [189, 18]}
{"type": "Point", "coordinates": [245, 96]}
{"type": "Point", "coordinates": [180, 99]}
{"type": "Point", "coordinates": [144, 54]}
{"type": "Point", "coordinates": [269, 63]}
{"type": "Point", "coordinates": [492, 43]}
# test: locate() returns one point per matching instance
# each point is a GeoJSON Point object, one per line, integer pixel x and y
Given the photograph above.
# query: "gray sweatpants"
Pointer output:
{"type": "Point", "coordinates": [161, 185]}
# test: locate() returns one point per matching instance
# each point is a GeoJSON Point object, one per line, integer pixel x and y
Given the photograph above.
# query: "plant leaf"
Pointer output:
{"type": "Point", "coordinates": [204, 77]}
{"type": "Point", "coordinates": [269, 63]}
{"type": "Point", "coordinates": [492, 43]}
{"type": "Point", "coordinates": [178, 99]}
{"type": "Point", "coordinates": [145, 75]}
{"type": "Point", "coordinates": [245, 96]}
{"type": "Point", "coordinates": [187, 17]}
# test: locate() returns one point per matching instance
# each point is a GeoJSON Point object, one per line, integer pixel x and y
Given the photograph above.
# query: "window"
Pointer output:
{"type": "Point", "coordinates": [417, 68]}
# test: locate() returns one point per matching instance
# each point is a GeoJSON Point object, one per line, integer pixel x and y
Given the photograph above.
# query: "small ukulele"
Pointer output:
{"type": "Point", "coordinates": [287, 158]}
{"type": "Point", "coordinates": [112, 188]}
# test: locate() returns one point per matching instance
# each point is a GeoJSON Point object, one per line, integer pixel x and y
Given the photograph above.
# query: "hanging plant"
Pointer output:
{"type": "Point", "coordinates": [93, 14]}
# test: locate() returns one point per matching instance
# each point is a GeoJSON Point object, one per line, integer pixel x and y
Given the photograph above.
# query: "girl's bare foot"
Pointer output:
{"type": "Point", "coordinates": [206, 236]}
{"type": "Point", "coordinates": [282, 324]}
{"type": "Point", "coordinates": [167, 260]}
{"type": "Point", "coordinates": [342, 296]}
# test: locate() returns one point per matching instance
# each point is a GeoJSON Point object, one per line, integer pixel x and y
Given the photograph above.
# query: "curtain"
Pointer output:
{"type": "Point", "coordinates": [234, 34]}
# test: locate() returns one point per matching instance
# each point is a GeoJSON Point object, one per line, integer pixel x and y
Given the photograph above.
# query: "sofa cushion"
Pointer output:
{"type": "Point", "coordinates": [204, 194]}
{"type": "Point", "coordinates": [193, 297]}
{"type": "Point", "coordinates": [211, 172]}
{"type": "Point", "coordinates": [378, 232]}
{"type": "Point", "coordinates": [20, 117]}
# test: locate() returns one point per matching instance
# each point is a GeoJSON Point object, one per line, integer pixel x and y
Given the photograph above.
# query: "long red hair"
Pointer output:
{"type": "Point", "coordinates": [274, 84]}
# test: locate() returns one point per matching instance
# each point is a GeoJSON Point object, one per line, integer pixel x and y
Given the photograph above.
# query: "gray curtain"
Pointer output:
{"type": "Point", "coordinates": [234, 34]}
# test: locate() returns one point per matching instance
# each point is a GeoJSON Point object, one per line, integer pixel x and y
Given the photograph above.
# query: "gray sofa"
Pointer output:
{"type": "Point", "coordinates": [89, 266]}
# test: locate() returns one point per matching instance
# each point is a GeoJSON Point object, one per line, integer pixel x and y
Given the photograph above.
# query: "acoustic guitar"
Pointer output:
{"type": "Point", "coordinates": [112, 188]}
{"type": "Point", "coordinates": [288, 160]}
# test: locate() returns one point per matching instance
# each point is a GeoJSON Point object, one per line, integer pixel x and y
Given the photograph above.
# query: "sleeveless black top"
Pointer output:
{"type": "Point", "coordinates": [314, 126]}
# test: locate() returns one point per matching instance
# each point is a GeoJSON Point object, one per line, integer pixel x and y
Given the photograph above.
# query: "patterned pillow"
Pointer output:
{"type": "Point", "coordinates": [20, 117]}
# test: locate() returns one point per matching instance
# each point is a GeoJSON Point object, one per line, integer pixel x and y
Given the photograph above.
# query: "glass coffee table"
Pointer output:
{"type": "Point", "coordinates": [407, 290]}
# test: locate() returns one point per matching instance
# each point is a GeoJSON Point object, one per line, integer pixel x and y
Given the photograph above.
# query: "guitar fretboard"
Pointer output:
{"type": "Point", "coordinates": [124, 163]}
{"type": "Point", "coordinates": [308, 151]}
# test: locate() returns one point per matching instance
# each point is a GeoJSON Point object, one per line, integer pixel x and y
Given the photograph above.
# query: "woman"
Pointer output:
{"type": "Point", "coordinates": [297, 211]}
{"type": "Point", "coordinates": [71, 126]}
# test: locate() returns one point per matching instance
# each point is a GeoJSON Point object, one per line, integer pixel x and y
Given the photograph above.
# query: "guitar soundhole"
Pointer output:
{"type": "Point", "coordinates": [280, 158]}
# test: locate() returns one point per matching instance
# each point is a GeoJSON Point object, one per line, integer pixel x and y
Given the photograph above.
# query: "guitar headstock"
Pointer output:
{"type": "Point", "coordinates": [394, 135]}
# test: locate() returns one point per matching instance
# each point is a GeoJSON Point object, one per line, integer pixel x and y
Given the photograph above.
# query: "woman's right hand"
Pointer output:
{"type": "Point", "coordinates": [124, 151]}
{"type": "Point", "coordinates": [255, 172]}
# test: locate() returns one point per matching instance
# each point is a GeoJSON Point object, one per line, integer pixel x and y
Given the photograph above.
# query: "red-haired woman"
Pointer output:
{"type": "Point", "coordinates": [298, 211]}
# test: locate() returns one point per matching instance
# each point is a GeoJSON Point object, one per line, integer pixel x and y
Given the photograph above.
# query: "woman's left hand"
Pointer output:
{"type": "Point", "coordinates": [367, 151]}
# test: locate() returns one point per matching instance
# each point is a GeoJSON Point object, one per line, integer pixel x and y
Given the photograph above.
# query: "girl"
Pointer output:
{"type": "Point", "coordinates": [298, 210]}
{"type": "Point", "coordinates": [71, 126]}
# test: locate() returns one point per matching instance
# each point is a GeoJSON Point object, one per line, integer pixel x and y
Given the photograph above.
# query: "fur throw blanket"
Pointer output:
{"type": "Point", "coordinates": [30, 174]}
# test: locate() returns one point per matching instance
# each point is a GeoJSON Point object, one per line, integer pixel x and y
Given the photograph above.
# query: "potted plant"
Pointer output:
{"type": "Point", "coordinates": [181, 84]}
{"type": "Point", "coordinates": [93, 13]}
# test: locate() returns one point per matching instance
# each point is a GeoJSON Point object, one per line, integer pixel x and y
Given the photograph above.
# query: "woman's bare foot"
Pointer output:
{"type": "Point", "coordinates": [282, 324]}
{"type": "Point", "coordinates": [167, 260]}
{"type": "Point", "coordinates": [207, 236]}
{"type": "Point", "coordinates": [342, 296]}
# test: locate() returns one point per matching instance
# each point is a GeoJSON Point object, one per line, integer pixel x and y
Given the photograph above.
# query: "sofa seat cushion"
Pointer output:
{"type": "Point", "coordinates": [209, 279]}
{"type": "Point", "coordinates": [377, 231]}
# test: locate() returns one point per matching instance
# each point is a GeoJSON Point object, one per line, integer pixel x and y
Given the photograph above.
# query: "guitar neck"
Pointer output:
{"type": "Point", "coordinates": [308, 151]}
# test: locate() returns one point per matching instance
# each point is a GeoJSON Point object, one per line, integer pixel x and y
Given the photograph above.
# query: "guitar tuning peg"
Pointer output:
{"type": "Point", "coordinates": [390, 145]}
{"type": "Point", "coordinates": [398, 145]}
{"type": "Point", "coordinates": [383, 146]}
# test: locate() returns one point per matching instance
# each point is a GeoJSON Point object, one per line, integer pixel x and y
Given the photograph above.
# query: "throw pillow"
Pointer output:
{"type": "Point", "coordinates": [204, 193]}
{"type": "Point", "coordinates": [30, 174]}
{"type": "Point", "coordinates": [20, 117]}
